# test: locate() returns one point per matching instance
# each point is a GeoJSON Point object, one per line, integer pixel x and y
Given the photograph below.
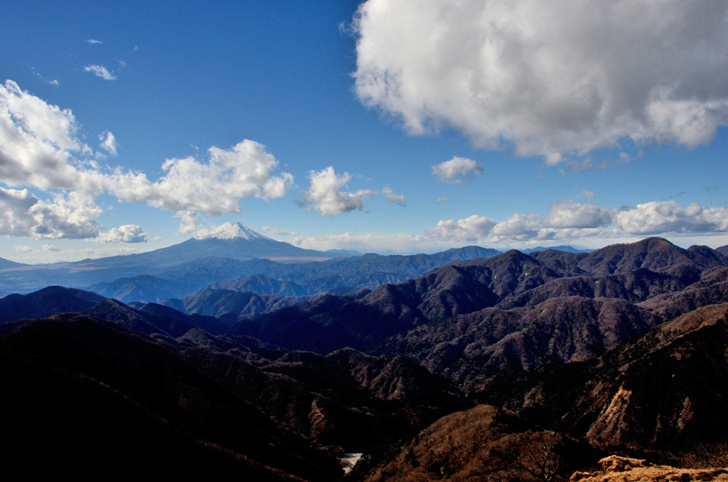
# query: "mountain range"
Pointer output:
{"type": "Point", "coordinates": [230, 252]}
{"type": "Point", "coordinates": [515, 366]}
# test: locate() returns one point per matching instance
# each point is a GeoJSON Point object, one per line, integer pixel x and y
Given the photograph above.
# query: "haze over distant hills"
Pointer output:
{"type": "Point", "coordinates": [230, 252]}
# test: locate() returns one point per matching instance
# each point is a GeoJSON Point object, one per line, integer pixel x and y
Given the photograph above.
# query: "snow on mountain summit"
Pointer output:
{"type": "Point", "coordinates": [232, 230]}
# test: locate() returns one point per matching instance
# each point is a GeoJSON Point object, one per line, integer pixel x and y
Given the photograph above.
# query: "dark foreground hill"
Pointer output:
{"type": "Point", "coordinates": [347, 399]}
{"type": "Point", "coordinates": [64, 377]}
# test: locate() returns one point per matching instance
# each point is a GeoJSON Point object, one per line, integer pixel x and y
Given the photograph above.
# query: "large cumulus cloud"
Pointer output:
{"type": "Point", "coordinates": [550, 78]}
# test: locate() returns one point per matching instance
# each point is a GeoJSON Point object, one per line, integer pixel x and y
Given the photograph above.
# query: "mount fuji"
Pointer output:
{"type": "Point", "coordinates": [235, 231]}
{"type": "Point", "coordinates": [231, 240]}
{"type": "Point", "coordinates": [235, 240]}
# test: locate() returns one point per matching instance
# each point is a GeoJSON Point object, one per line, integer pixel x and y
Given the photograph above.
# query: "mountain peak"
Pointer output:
{"type": "Point", "coordinates": [232, 230]}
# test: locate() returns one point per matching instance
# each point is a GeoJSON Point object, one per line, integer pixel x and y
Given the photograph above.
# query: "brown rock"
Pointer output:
{"type": "Point", "coordinates": [624, 469]}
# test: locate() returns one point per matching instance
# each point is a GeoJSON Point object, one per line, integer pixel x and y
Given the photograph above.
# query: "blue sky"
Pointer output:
{"type": "Point", "coordinates": [387, 126]}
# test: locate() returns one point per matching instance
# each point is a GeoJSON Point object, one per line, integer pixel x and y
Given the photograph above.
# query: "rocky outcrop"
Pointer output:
{"type": "Point", "coordinates": [625, 469]}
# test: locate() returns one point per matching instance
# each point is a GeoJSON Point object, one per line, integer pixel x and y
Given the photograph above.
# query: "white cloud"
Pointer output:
{"type": "Point", "coordinates": [661, 217]}
{"type": "Point", "coordinates": [189, 222]}
{"type": "Point", "coordinates": [50, 247]}
{"type": "Point", "coordinates": [108, 142]}
{"type": "Point", "coordinates": [473, 228]}
{"type": "Point", "coordinates": [100, 71]}
{"type": "Point", "coordinates": [586, 193]}
{"type": "Point", "coordinates": [550, 78]}
{"type": "Point", "coordinates": [23, 214]}
{"type": "Point", "coordinates": [277, 232]}
{"type": "Point", "coordinates": [441, 199]}
{"type": "Point", "coordinates": [15, 218]}
{"type": "Point", "coordinates": [39, 146]}
{"type": "Point", "coordinates": [573, 215]}
{"type": "Point", "coordinates": [393, 198]}
{"type": "Point", "coordinates": [22, 249]}
{"type": "Point", "coordinates": [213, 187]}
{"type": "Point", "coordinates": [518, 227]}
{"type": "Point", "coordinates": [456, 170]}
{"type": "Point", "coordinates": [327, 198]}
{"type": "Point", "coordinates": [568, 220]}
{"type": "Point", "coordinates": [92, 41]}
{"type": "Point", "coordinates": [53, 82]}
{"type": "Point", "coordinates": [36, 141]}
{"type": "Point", "coordinates": [128, 233]}
{"type": "Point", "coordinates": [69, 216]}
{"type": "Point", "coordinates": [372, 242]}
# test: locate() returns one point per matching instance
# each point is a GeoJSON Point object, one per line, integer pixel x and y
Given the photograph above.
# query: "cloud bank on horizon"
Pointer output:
{"type": "Point", "coordinates": [550, 78]}
{"type": "Point", "coordinates": [565, 221]}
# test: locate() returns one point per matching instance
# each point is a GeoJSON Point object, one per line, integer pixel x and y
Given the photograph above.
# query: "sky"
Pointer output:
{"type": "Point", "coordinates": [388, 126]}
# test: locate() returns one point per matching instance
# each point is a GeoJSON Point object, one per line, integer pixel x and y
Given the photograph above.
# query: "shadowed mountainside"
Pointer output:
{"type": "Point", "coordinates": [658, 395]}
{"type": "Point", "coordinates": [219, 302]}
{"type": "Point", "coordinates": [63, 376]}
{"type": "Point", "coordinates": [666, 390]}
{"type": "Point", "coordinates": [346, 399]}
{"type": "Point", "coordinates": [471, 349]}
{"type": "Point", "coordinates": [147, 319]}
{"type": "Point", "coordinates": [626, 274]}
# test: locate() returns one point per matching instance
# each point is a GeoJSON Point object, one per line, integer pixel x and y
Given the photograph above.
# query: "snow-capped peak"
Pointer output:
{"type": "Point", "coordinates": [235, 231]}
